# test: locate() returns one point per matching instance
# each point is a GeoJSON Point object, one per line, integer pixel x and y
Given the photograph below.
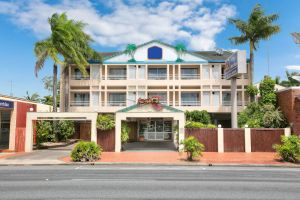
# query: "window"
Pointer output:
{"type": "Point", "coordinates": [79, 76]}
{"type": "Point", "coordinates": [117, 74]}
{"type": "Point", "coordinates": [95, 72]}
{"type": "Point", "coordinates": [154, 52]}
{"type": "Point", "coordinates": [81, 99]}
{"type": "Point", "coordinates": [95, 99]}
{"type": "Point", "coordinates": [226, 98]}
{"type": "Point", "coordinates": [117, 99]}
{"type": "Point", "coordinates": [190, 99]}
{"type": "Point", "coordinates": [157, 73]}
{"type": "Point", "coordinates": [131, 98]}
{"type": "Point", "coordinates": [189, 73]}
{"type": "Point", "coordinates": [162, 95]}
{"type": "Point", "coordinates": [216, 98]}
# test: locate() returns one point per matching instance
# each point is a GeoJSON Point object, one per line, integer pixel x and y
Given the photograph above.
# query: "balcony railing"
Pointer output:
{"type": "Point", "coordinates": [190, 76]}
{"type": "Point", "coordinates": [117, 77]}
{"type": "Point", "coordinates": [116, 103]}
{"type": "Point", "coordinates": [239, 103]}
{"type": "Point", "coordinates": [80, 103]}
{"type": "Point", "coordinates": [190, 103]}
{"type": "Point", "coordinates": [157, 77]}
{"type": "Point", "coordinates": [80, 77]}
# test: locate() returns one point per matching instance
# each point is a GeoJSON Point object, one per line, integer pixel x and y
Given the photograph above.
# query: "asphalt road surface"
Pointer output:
{"type": "Point", "coordinates": [148, 182]}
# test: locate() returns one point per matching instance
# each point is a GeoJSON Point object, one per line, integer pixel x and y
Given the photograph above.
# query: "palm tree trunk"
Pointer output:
{"type": "Point", "coordinates": [251, 73]}
{"type": "Point", "coordinates": [54, 87]}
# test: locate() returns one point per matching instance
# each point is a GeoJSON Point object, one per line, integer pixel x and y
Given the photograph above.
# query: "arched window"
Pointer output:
{"type": "Point", "coordinates": [155, 52]}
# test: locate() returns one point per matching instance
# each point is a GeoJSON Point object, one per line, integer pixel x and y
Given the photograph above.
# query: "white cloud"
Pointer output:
{"type": "Point", "coordinates": [129, 21]}
{"type": "Point", "coordinates": [293, 67]}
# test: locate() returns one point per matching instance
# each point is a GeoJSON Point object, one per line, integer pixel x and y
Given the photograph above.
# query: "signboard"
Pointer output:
{"type": "Point", "coordinates": [6, 104]}
{"type": "Point", "coordinates": [236, 65]}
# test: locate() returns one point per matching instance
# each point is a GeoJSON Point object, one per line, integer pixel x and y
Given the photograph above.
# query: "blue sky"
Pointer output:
{"type": "Point", "coordinates": [201, 24]}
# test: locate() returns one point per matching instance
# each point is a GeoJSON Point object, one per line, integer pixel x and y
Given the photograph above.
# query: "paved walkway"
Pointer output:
{"type": "Point", "coordinates": [173, 157]}
{"type": "Point", "coordinates": [150, 146]}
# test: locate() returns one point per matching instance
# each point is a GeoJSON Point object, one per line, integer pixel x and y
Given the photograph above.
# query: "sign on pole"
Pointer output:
{"type": "Point", "coordinates": [235, 66]}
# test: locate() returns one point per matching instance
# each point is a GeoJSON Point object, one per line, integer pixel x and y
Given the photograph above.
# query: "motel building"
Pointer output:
{"type": "Point", "coordinates": [13, 113]}
{"type": "Point", "coordinates": [131, 90]}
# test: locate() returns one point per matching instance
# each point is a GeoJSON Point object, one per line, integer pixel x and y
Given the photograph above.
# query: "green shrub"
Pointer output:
{"type": "Point", "coordinates": [44, 132]}
{"type": "Point", "coordinates": [192, 147]}
{"type": "Point", "coordinates": [86, 152]}
{"type": "Point", "coordinates": [105, 122]}
{"type": "Point", "coordinates": [198, 116]}
{"type": "Point", "coordinates": [124, 132]}
{"type": "Point", "coordinates": [66, 129]}
{"type": "Point", "coordinates": [192, 124]}
{"type": "Point", "coordinates": [267, 91]}
{"type": "Point", "coordinates": [274, 119]}
{"type": "Point", "coordinates": [289, 150]}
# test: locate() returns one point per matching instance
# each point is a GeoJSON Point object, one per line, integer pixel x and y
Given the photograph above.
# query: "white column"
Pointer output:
{"type": "Point", "coordinates": [105, 73]}
{"type": "Point", "coordinates": [94, 130]}
{"type": "Point", "coordinates": [233, 103]}
{"type": "Point", "coordinates": [181, 123]}
{"type": "Point", "coordinates": [247, 140]}
{"type": "Point", "coordinates": [175, 122]}
{"type": "Point", "coordinates": [287, 132]}
{"type": "Point", "coordinates": [168, 72]}
{"type": "Point", "coordinates": [28, 134]}
{"type": "Point", "coordinates": [118, 133]}
{"type": "Point", "coordinates": [220, 140]}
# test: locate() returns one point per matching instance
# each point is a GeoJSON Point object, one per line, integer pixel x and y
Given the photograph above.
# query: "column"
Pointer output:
{"type": "Point", "coordinates": [28, 133]}
{"type": "Point", "coordinates": [168, 71]}
{"type": "Point", "coordinates": [287, 132]}
{"type": "Point", "coordinates": [181, 123]}
{"type": "Point", "coordinates": [118, 133]}
{"type": "Point", "coordinates": [247, 140]}
{"type": "Point", "coordinates": [233, 103]}
{"type": "Point", "coordinates": [105, 73]}
{"type": "Point", "coordinates": [94, 130]}
{"type": "Point", "coordinates": [220, 140]}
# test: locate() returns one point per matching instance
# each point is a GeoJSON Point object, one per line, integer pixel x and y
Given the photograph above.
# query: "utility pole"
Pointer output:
{"type": "Point", "coordinates": [233, 103]}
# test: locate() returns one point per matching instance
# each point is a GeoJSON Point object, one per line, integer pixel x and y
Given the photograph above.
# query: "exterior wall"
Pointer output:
{"type": "Point", "coordinates": [173, 86]}
{"type": "Point", "coordinates": [296, 127]}
{"type": "Point", "coordinates": [288, 103]}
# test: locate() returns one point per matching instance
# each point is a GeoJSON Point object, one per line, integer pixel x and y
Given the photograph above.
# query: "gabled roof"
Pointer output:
{"type": "Point", "coordinates": [169, 108]}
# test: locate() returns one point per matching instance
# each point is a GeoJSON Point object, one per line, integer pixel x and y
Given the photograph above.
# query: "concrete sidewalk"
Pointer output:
{"type": "Point", "coordinates": [172, 157]}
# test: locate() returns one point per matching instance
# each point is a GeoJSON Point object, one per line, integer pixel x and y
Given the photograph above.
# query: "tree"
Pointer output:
{"type": "Point", "coordinates": [180, 50]}
{"type": "Point", "coordinates": [267, 91]}
{"type": "Point", "coordinates": [130, 50]}
{"type": "Point", "coordinates": [34, 97]}
{"type": "Point", "coordinates": [67, 41]}
{"type": "Point", "coordinates": [290, 81]}
{"type": "Point", "coordinates": [258, 27]}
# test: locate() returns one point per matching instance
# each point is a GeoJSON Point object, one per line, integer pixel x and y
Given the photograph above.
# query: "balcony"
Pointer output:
{"type": "Point", "coordinates": [79, 103]}
{"type": "Point", "coordinates": [157, 77]}
{"type": "Point", "coordinates": [239, 103]}
{"type": "Point", "coordinates": [117, 77]}
{"type": "Point", "coordinates": [116, 103]}
{"type": "Point", "coordinates": [79, 77]}
{"type": "Point", "coordinates": [190, 76]}
{"type": "Point", "coordinates": [190, 103]}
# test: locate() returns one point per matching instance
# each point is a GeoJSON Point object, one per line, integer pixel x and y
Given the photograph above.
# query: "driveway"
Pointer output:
{"type": "Point", "coordinates": [42, 156]}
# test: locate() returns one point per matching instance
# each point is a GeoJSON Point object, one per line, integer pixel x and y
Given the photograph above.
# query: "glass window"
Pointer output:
{"type": "Point", "coordinates": [189, 73]}
{"type": "Point", "coordinates": [226, 98]}
{"type": "Point", "coordinates": [117, 99]}
{"type": "Point", "coordinates": [81, 99]}
{"type": "Point", "coordinates": [4, 129]}
{"type": "Point", "coordinates": [190, 99]}
{"type": "Point", "coordinates": [117, 74]}
{"type": "Point", "coordinates": [131, 98]}
{"type": "Point", "coordinates": [95, 98]}
{"type": "Point", "coordinates": [216, 98]}
{"type": "Point", "coordinates": [157, 73]}
{"type": "Point", "coordinates": [95, 72]}
{"type": "Point", "coordinates": [162, 95]}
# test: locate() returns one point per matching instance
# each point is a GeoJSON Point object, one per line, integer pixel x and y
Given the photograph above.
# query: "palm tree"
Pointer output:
{"type": "Point", "coordinates": [290, 80]}
{"type": "Point", "coordinates": [258, 27]}
{"type": "Point", "coordinates": [180, 50]}
{"type": "Point", "coordinates": [33, 97]}
{"type": "Point", "coordinates": [130, 50]}
{"type": "Point", "coordinates": [68, 42]}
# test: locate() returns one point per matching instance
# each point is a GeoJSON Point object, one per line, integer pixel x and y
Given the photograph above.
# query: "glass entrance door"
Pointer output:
{"type": "Point", "coordinates": [156, 129]}
{"type": "Point", "coordinates": [4, 129]}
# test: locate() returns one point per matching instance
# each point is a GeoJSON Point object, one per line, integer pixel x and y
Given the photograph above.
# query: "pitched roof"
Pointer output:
{"type": "Point", "coordinates": [213, 55]}
{"type": "Point", "coordinates": [170, 108]}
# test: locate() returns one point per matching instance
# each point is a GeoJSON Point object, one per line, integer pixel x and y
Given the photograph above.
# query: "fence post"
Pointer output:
{"type": "Point", "coordinates": [220, 140]}
{"type": "Point", "coordinates": [287, 132]}
{"type": "Point", "coordinates": [247, 140]}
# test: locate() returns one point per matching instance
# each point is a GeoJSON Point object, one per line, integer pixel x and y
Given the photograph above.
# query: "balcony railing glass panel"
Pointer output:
{"type": "Point", "coordinates": [157, 73]}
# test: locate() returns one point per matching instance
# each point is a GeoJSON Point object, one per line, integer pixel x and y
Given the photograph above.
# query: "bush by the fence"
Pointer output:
{"type": "Point", "coordinates": [44, 132]}
{"type": "Point", "coordinates": [192, 147]}
{"type": "Point", "coordinates": [193, 124]}
{"type": "Point", "coordinates": [289, 150]}
{"type": "Point", "coordinates": [65, 130]}
{"type": "Point", "coordinates": [198, 116]}
{"type": "Point", "coordinates": [105, 122]}
{"type": "Point", "coordinates": [86, 152]}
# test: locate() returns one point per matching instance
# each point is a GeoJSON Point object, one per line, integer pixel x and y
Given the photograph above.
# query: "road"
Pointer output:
{"type": "Point", "coordinates": [148, 182]}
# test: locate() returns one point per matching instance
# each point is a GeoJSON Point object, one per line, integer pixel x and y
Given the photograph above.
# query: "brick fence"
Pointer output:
{"type": "Point", "coordinates": [239, 140]}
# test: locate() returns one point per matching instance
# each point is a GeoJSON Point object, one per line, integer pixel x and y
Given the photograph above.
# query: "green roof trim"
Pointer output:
{"type": "Point", "coordinates": [170, 108]}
